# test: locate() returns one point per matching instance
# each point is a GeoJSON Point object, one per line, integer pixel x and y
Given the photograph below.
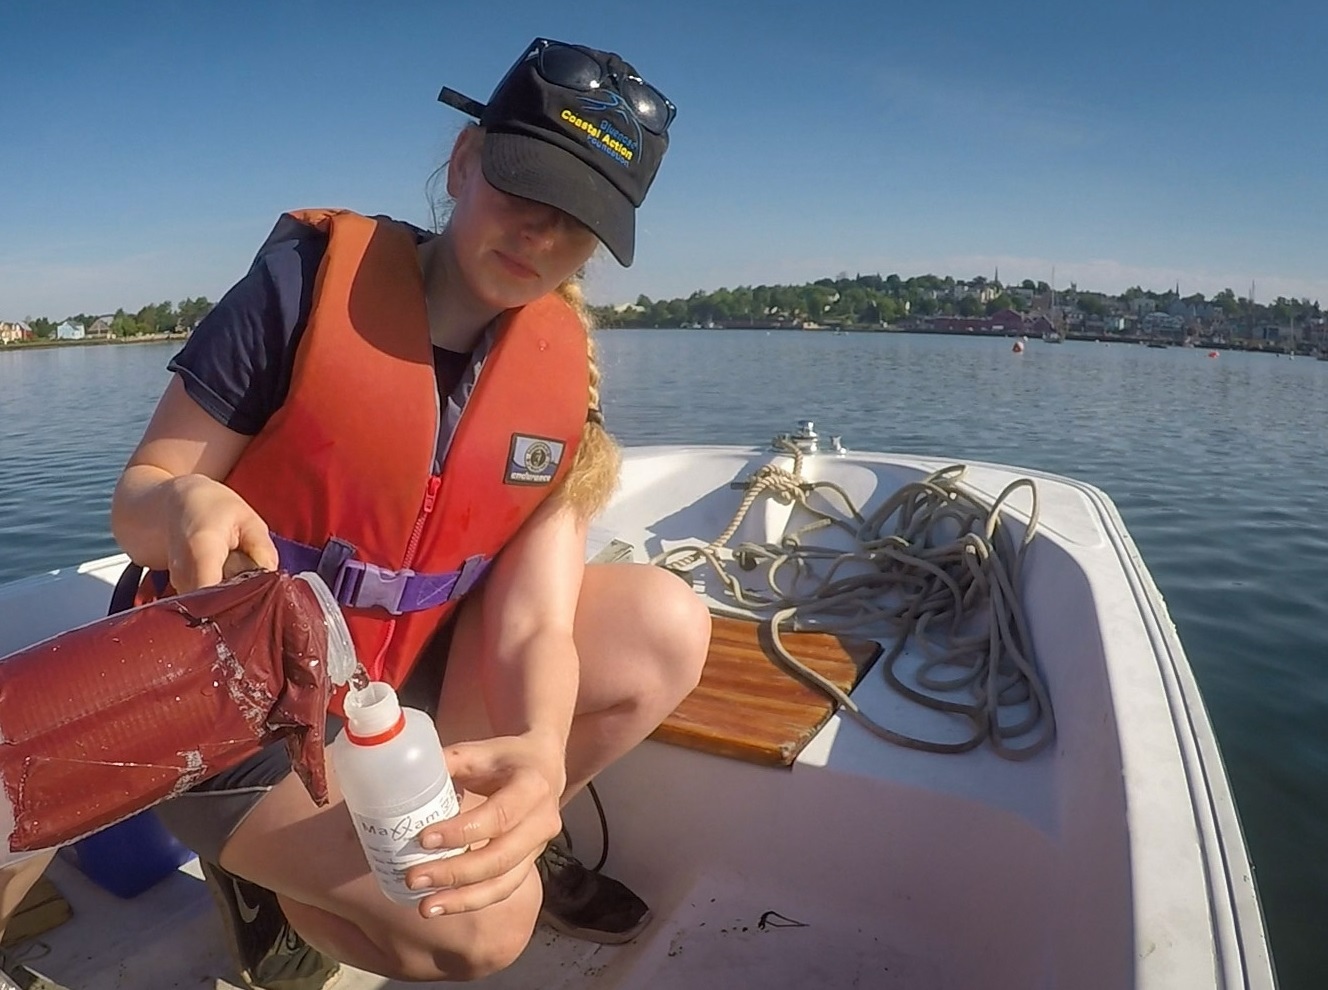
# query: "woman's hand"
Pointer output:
{"type": "Point", "coordinates": [168, 511]}
{"type": "Point", "coordinates": [211, 533]}
{"type": "Point", "coordinates": [522, 779]}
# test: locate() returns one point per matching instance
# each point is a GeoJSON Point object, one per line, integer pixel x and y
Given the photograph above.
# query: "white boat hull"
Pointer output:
{"type": "Point", "coordinates": [1113, 859]}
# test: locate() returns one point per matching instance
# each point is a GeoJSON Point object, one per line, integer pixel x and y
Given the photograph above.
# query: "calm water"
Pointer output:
{"type": "Point", "coordinates": [1217, 465]}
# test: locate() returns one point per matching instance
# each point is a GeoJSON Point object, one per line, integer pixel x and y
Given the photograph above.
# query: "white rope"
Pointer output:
{"type": "Point", "coordinates": [945, 577]}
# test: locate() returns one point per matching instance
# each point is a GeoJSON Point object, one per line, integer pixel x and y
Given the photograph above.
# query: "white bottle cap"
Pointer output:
{"type": "Point", "coordinates": [372, 711]}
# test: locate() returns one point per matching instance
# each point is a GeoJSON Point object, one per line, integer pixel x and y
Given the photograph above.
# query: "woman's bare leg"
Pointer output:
{"type": "Point", "coordinates": [641, 636]}
{"type": "Point", "coordinates": [312, 859]}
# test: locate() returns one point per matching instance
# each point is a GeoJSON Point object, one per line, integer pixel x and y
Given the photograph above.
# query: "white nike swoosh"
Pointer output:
{"type": "Point", "coordinates": [247, 913]}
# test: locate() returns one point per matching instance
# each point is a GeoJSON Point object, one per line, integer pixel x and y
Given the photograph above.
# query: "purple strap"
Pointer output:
{"type": "Point", "coordinates": [358, 584]}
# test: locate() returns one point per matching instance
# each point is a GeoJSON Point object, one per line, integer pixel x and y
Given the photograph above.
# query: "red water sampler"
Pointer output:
{"type": "Point", "coordinates": [105, 720]}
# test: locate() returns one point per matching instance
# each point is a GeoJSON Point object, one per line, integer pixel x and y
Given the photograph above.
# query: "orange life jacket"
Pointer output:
{"type": "Point", "coordinates": [344, 473]}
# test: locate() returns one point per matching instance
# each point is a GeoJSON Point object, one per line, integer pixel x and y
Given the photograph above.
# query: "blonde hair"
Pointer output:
{"type": "Point", "coordinates": [590, 483]}
{"type": "Point", "coordinates": [594, 475]}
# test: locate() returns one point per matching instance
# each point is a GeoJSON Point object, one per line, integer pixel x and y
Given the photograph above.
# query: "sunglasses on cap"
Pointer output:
{"type": "Point", "coordinates": [575, 68]}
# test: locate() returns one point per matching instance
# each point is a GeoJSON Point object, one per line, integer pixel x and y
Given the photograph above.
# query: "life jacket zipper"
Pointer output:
{"type": "Point", "coordinates": [412, 545]}
{"type": "Point", "coordinates": [430, 497]}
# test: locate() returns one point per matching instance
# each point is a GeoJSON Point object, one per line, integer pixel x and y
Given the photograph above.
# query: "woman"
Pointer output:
{"type": "Point", "coordinates": [399, 411]}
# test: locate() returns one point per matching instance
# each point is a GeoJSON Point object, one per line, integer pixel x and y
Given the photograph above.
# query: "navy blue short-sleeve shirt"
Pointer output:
{"type": "Point", "coordinates": [237, 364]}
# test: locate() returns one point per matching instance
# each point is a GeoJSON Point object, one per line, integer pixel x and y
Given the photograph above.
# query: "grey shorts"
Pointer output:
{"type": "Point", "coordinates": [204, 817]}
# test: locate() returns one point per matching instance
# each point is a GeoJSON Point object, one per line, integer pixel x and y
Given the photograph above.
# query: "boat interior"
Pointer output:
{"type": "Point", "coordinates": [790, 849]}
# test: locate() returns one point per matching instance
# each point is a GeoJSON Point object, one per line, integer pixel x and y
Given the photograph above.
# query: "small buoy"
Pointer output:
{"type": "Point", "coordinates": [1212, 353]}
{"type": "Point", "coordinates": [1018, 347]}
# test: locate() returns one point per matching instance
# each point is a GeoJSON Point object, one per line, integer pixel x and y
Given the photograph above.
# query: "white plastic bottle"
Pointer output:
{"type": "Point", "coordinates": [390, 765]}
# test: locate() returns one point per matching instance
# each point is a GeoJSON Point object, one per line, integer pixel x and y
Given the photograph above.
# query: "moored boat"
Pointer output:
{"type": "Point", "coordinates": [1109, 855]}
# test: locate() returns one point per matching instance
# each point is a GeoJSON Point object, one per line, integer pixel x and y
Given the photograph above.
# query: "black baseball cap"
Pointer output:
{"type": "Point", "coordinates": [578, 129]}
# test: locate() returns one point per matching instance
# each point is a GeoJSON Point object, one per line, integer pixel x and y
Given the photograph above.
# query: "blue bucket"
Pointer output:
{"type": "Point", "coordinates": [130, 856]}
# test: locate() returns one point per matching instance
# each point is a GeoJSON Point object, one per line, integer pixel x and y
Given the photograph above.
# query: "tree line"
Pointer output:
{"type": "Point", "coordinates": [872, 300]}
{"type": "Point", "coordinates": [865, 300]}
{"type": "Point", "coordinates": [162, 317]}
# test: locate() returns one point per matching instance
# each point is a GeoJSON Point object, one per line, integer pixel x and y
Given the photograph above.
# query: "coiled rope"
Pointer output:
{"type": "Point", "coordinates": [946, 576]}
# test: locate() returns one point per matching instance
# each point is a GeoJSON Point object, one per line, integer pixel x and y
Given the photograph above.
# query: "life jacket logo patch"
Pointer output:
{"type": "Point", "coordinates": [533, 460]}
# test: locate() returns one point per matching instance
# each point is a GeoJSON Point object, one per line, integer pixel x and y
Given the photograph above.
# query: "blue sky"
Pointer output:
{"type": "Point", "coordinates": [146, 148]}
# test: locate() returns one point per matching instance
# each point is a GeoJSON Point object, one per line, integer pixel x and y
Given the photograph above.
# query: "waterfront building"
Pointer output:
{"type": "Point", "coordinates": [13, 332]}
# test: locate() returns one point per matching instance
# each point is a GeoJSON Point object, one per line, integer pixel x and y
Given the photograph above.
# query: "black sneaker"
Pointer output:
{"type": "Point", "coordinates": [585, 904]}
{"type": "Point", "coordinates": [271, 954]}
{"type": "Point", "coordinates": [14, 975]}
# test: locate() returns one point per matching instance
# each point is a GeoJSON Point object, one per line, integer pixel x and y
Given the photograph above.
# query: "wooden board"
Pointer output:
{"type": "Point", "coordinates": [41, 909]}
{"type": "Point", "coordinates": [747, 708]}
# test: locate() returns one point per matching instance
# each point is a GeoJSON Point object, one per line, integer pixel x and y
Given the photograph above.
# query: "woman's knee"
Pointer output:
{"type": "Point", "coordinates": [492, 950]}
{"type": "Point", "coordinates": [464, 947]}
{"type": "Point", "coordinates": [677, 629]}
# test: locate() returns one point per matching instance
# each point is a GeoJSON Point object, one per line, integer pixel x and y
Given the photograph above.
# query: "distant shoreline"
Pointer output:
{"type": "Point", "coordinates": [145, 338]}
{"type": "Point", "coordinates": [1253, 346]}
{"type": "Point", "coordinates": [1200, 343]}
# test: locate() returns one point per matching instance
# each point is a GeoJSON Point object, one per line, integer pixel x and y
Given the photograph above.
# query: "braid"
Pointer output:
{"type": "Point", "coordinates": [594, 475]}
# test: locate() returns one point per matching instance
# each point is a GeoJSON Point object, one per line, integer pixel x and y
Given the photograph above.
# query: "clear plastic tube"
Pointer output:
{"type": "Point", "coordinates": [341, 658]}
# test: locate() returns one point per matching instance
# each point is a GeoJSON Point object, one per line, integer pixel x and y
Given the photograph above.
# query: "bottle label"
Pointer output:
{"type": "Point", "coordinates": [392, 844]}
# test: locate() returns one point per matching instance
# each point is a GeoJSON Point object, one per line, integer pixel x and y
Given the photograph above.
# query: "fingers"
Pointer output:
{"type": "Point", "coordinates": [504, 833]}
{"type": "Point", "coordinates": [198, 562]}
{"type": "Point", "coordinates": [476, 896]}
{"type": "Point", "coordinates": [484, 765]}
{"type": "Point", "coordinates": [218, 535]}
{"type": "Point", "coordinates": [524, 804]}
{"type": "Point", "coordinates": [490, 870]}
{"type": "Point", "coordinates": [237, 562]}
{"type": "Point", "coordinates": [475, 761]}
{"type": "Point", "coordinates": [255, 541]}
